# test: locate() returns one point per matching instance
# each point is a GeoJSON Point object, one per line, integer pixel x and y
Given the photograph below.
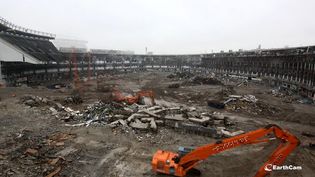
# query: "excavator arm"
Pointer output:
{"type": "Point", "coordinates": [118, 96]}
{"type": "Point", "coordinates": [179, 164]}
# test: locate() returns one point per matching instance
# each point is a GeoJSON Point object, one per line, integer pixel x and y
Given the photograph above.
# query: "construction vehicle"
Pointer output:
{"type": "Point", "coordinates": [178, 164]}
{"type": "Point", "coordinates": [130, 99]}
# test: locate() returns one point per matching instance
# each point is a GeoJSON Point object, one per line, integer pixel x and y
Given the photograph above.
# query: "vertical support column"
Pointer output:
{"type": "Point", "coordinates": [1, 78]}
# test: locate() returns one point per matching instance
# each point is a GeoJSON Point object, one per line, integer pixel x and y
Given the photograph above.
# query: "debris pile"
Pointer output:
{"type": "Point", "coordinates": [34, 101]}
{"type": "Point", "coordinates": [138, 117]}
{"type": "Point", "coordinates": [250, 104]}
{"type": "Point", "coordinates": [148, 118]}
{"type": "Point", "coordinates": [199, 80]}
{"type": "Point", "coordinates": [56, 108]}
{"type": "Point", "coordinates": [35, 155]}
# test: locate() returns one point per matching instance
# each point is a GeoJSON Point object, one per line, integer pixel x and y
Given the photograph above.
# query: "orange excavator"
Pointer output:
{"type": "Point", "coordinates": [119, 97]}
{"type": "Point", "coordinates": [178, 164]}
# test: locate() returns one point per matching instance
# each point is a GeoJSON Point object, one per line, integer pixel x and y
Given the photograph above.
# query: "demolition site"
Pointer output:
{"type": "Point", "coordinates": [93, 112]}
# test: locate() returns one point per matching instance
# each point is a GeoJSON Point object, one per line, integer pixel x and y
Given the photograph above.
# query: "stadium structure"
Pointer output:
{"type": "Point", "coordinates": [29, 57]}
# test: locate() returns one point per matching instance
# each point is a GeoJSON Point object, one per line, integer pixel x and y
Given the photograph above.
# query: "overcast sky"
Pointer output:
{"type": "Point", "coordinates": [170, 26]}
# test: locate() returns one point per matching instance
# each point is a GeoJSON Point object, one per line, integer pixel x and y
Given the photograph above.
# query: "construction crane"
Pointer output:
{"type": "Point", "coordinates": [119, 97]}
{"type": "Point", "coordinates": [178, 164]}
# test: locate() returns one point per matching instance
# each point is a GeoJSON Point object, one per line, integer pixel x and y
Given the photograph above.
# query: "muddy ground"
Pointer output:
{"type": "Point", "coordinates": [33, 142]}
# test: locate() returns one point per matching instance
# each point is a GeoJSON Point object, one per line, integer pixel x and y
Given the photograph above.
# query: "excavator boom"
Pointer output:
{"type": "Point", "coordinates": [178, 164]}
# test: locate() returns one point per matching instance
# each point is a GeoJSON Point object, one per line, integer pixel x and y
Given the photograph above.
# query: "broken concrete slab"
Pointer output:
{"type": "Point", "coordinates": [193, 114]}
{"type": "Point", "coordinates": [59, 106]}
{"type": "Point", "coordinates": [153, 125]}
{"type": "Point", "coordinates": [53, 111]}
{"type": "Point", "coordinates": [117, 122]}
{"type": "Point", "coordinates": [69, 110]}
{"type": "Point", "coordinates": [159, 122]}
{"type": "Point", "coordinates": [177, 117]}
{"type": "Point", "coordinates": [122, 122]}
{"type": "Point", "coordinates": [159, 111]}
{"type": "Point", "coordinates": [235, 96]}
{"type": "Point", "coordinates": [137, 124]}
{"type": "Point", "coordinates": [229, 134]}
{"type": "Point", "coordinates": [136, 115]}
{"type": "Point", "coordinates": [203, 120]}
{"type": "Point", "coordinates": [119, 116]}
{"type": "Point", "coordinates": [149, 113]}
{"type": "Point", "coordinates": [229, 100]}
{"type": "Point", "coordinates": [114, 124]}
{"type": "Point", "coordinates": [175, 108]}
{"type": "Point", "coordinates": [154, 108]}
{"type": "Point", "coordinates": [217, 116]}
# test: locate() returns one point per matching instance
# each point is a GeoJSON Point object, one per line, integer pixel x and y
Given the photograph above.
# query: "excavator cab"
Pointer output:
{"type": "Point", "coordinates": [167, 162]}
{"type": "Point", "coordinates": [164, 162]}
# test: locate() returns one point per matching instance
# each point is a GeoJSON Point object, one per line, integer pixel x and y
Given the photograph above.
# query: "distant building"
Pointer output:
{"type": "Point", "coordinates": [108, 51]}
{"type": "Point", "coordinates": [62, 44]}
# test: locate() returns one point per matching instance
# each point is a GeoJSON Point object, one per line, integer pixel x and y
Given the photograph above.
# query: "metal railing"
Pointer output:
{"type": "Point", "coordinates": [25, 30]}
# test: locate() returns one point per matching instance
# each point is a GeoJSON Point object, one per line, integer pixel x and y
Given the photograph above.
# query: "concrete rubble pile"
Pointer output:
{"type": "Point", "coordinates": [32, 101]}
{"type": "Point", "coordinates": [249, 104]}
{"type": "Point", "coordinates": [57, 109]}
{"type": "Point", "coordinates": [149, 118]}
{"type": "Point", "coordinates": [138, 117]}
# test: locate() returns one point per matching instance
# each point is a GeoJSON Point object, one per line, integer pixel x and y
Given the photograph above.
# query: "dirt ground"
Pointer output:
{"type": "Point", "coordinates": [33, 142]}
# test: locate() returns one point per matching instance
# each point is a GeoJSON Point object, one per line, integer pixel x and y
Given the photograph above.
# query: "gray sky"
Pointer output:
{"type": "Point", "coordinates": [170, 26]}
